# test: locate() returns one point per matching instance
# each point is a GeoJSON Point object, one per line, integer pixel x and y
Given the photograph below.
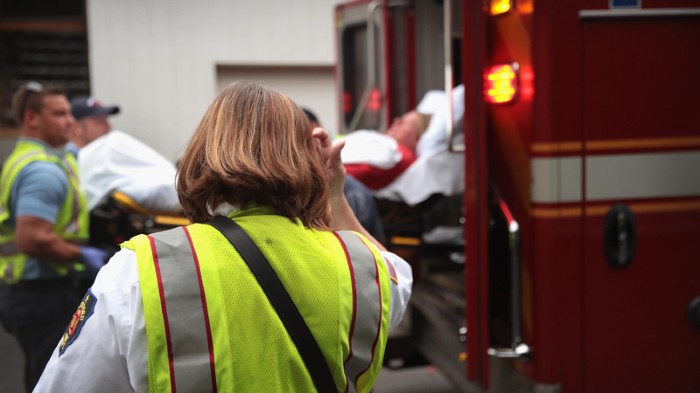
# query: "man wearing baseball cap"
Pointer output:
{"type": "Point", "coordinates": [112, 160]}
{"type": "Point", "coordinates": [92, 119]}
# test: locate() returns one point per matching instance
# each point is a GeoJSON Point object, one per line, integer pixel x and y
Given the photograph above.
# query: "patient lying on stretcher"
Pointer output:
{"type": "Point", "coordinates": [376, 159]}
{"type": "Point", "coordinates": [410, 161]}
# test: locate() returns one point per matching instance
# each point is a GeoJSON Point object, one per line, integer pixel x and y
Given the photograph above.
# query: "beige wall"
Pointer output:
{"type": "Point", "coordinates": [163, 61]}
{"type": "Point", "coordinates": [309, 86]}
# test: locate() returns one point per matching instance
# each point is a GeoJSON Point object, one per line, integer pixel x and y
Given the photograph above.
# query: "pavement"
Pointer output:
{"type": "Point", "coordinates": [11, 364]}
{"type": "Point", "coordinates": [413, 380]}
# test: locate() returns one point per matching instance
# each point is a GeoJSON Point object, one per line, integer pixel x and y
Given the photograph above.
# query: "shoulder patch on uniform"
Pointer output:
{"type": "Point", "coordinates": [81, 315]}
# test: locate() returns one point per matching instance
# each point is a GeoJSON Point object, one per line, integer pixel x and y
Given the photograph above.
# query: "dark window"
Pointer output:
{"type": "Point", "coordinates": [43, 41]}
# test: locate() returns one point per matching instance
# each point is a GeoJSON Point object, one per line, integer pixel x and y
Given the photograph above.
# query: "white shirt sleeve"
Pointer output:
{"type": "Point", "coordinates": [400, 288]}
{"type": "Point", "coordinates": [109, 354]}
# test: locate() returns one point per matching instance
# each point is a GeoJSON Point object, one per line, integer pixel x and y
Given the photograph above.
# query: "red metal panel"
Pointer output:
{"type": "Point", "coordinates": [641, 78]}
{"type": "Point", "coordinates": [476, 186]}
{"type": "Point", "coordinates": [636, 322]}
{"type": "Point", "coordinates": [557, 288]}
{"type": "Point", "coordinates": [411, 75]}
{"type": "Point", "coordinates": [557, 253]}
{"type": "Point", "coordinates": [557, 62]}
{"type": "Point", "coordinates": [388, 58]}
{"type": "Point", "coordinates": [400, 96]}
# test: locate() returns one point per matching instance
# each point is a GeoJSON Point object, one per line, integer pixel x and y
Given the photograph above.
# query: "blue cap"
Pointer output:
{"type": "Point", "coordinates": [85, 106]}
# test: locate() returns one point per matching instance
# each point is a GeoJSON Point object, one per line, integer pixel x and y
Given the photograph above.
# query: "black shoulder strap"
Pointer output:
{"type": "Point", "coordinates": [284, 305]}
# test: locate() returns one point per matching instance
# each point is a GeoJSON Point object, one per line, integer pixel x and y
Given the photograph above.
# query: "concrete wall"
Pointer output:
{"type": "Point", "coordinates": [160, 59]}
{"type": "Point", "coordinates": [310, 86]}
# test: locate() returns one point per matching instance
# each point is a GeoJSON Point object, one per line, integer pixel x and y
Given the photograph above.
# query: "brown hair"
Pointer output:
{"type": "Point", "coordinates": [253, 145]}
{"type": "Point", "coordinates": [30, 96]}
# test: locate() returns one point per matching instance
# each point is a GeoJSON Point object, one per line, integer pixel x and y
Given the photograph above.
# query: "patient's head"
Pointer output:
{"type": "Point", "coordinates": [407, 129]}
{"type": "Point", "coordinates": [91, 117]}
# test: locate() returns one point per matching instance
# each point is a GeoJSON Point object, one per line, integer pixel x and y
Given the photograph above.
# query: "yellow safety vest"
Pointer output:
{"type": "Point", "coordinates": [210, 327]}
{"type": "Point", "coordinates": [71, 223]}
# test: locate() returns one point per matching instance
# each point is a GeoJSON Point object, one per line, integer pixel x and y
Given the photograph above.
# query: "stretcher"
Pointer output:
{"type": "Point", "coordinates": [120, 217]}
{"type": "Point", "coordinates": [422, 209]}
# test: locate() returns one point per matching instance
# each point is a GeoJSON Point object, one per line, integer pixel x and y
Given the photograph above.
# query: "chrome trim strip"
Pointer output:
{"type": "Point", "coordinates": [615, 176]}
{"type": "Point", "coordinates": [639, 13]}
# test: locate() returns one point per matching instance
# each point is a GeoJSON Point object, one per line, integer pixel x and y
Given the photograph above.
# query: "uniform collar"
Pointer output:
{"type": "Point", "coordinates": [253, 210]}
{"type": "Point", "coordinates": [43, 144]}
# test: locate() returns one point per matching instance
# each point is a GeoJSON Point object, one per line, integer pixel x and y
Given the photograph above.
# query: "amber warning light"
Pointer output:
{"type": "Point", "coordinates": [499, 7]}
{"type": "Point", "coordinates": [501, 83]}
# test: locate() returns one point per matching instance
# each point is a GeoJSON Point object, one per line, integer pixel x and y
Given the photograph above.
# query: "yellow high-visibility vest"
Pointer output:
{"type": "Point", "coordinates": [71, 224]}
{"type": "Point", "coordinates": [210, 327]}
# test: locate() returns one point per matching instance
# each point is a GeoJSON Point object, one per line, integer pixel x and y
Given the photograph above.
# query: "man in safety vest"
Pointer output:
{"type": "Point", "coordinates": [181, 311]}
{"type": "Point", "coordinates": [43, 226]}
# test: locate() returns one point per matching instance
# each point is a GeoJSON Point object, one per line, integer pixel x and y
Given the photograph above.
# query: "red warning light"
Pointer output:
{"type": "Point", "coordinates": [501, 83]}
{"type": "Point", "coordinates": [374, 103]}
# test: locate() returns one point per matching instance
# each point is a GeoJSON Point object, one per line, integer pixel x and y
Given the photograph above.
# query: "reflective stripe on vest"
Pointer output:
{"type": "Point", "coordinates": [74, 225]}
{"type": "Point", "coordinates": [367, 297]}
{"type": "Point", "coordinates": [188, 331]}
{"type": "Point", "coordinates": [187, 328]}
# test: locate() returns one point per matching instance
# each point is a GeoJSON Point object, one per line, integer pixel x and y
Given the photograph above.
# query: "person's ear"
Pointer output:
{"type": "Point", "coordinates": [30, 118]}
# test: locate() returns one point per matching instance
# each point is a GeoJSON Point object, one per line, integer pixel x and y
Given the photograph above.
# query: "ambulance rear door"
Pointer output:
{"type": "Point", "coordinates": [641, 270]}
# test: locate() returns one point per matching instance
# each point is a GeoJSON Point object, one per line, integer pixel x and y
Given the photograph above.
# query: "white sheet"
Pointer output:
{"type": "Point", "coordinates": [118, 161]}
{"type": "Point", "coordinates": [372, 148]}
{"type": "Point", "coordinates": [438, 173]}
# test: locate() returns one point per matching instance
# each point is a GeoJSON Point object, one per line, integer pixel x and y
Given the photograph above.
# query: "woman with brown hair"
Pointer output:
{"type": "Point", "coordinates": [182, 311]}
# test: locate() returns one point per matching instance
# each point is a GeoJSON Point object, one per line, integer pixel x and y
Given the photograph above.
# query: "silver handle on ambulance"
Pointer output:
{"type": "Point", "coordinates": [447, 49]}
{"type": "Point", "coordinates": [518, 349]}
{"type": "Point", "coordinates": [371, 77]}
{"type": "Point", "coordinates": [521, 351]}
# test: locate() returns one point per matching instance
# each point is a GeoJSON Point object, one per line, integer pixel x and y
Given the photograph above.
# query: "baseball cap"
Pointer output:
{"type": "Point", "coordinates": [84, 106]}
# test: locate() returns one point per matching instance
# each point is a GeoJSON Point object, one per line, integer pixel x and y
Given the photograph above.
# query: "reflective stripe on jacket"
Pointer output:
{"type": "Point", "coordinates": [210, 327]}
{"type": "Point", "coordinates": [71, 223]}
